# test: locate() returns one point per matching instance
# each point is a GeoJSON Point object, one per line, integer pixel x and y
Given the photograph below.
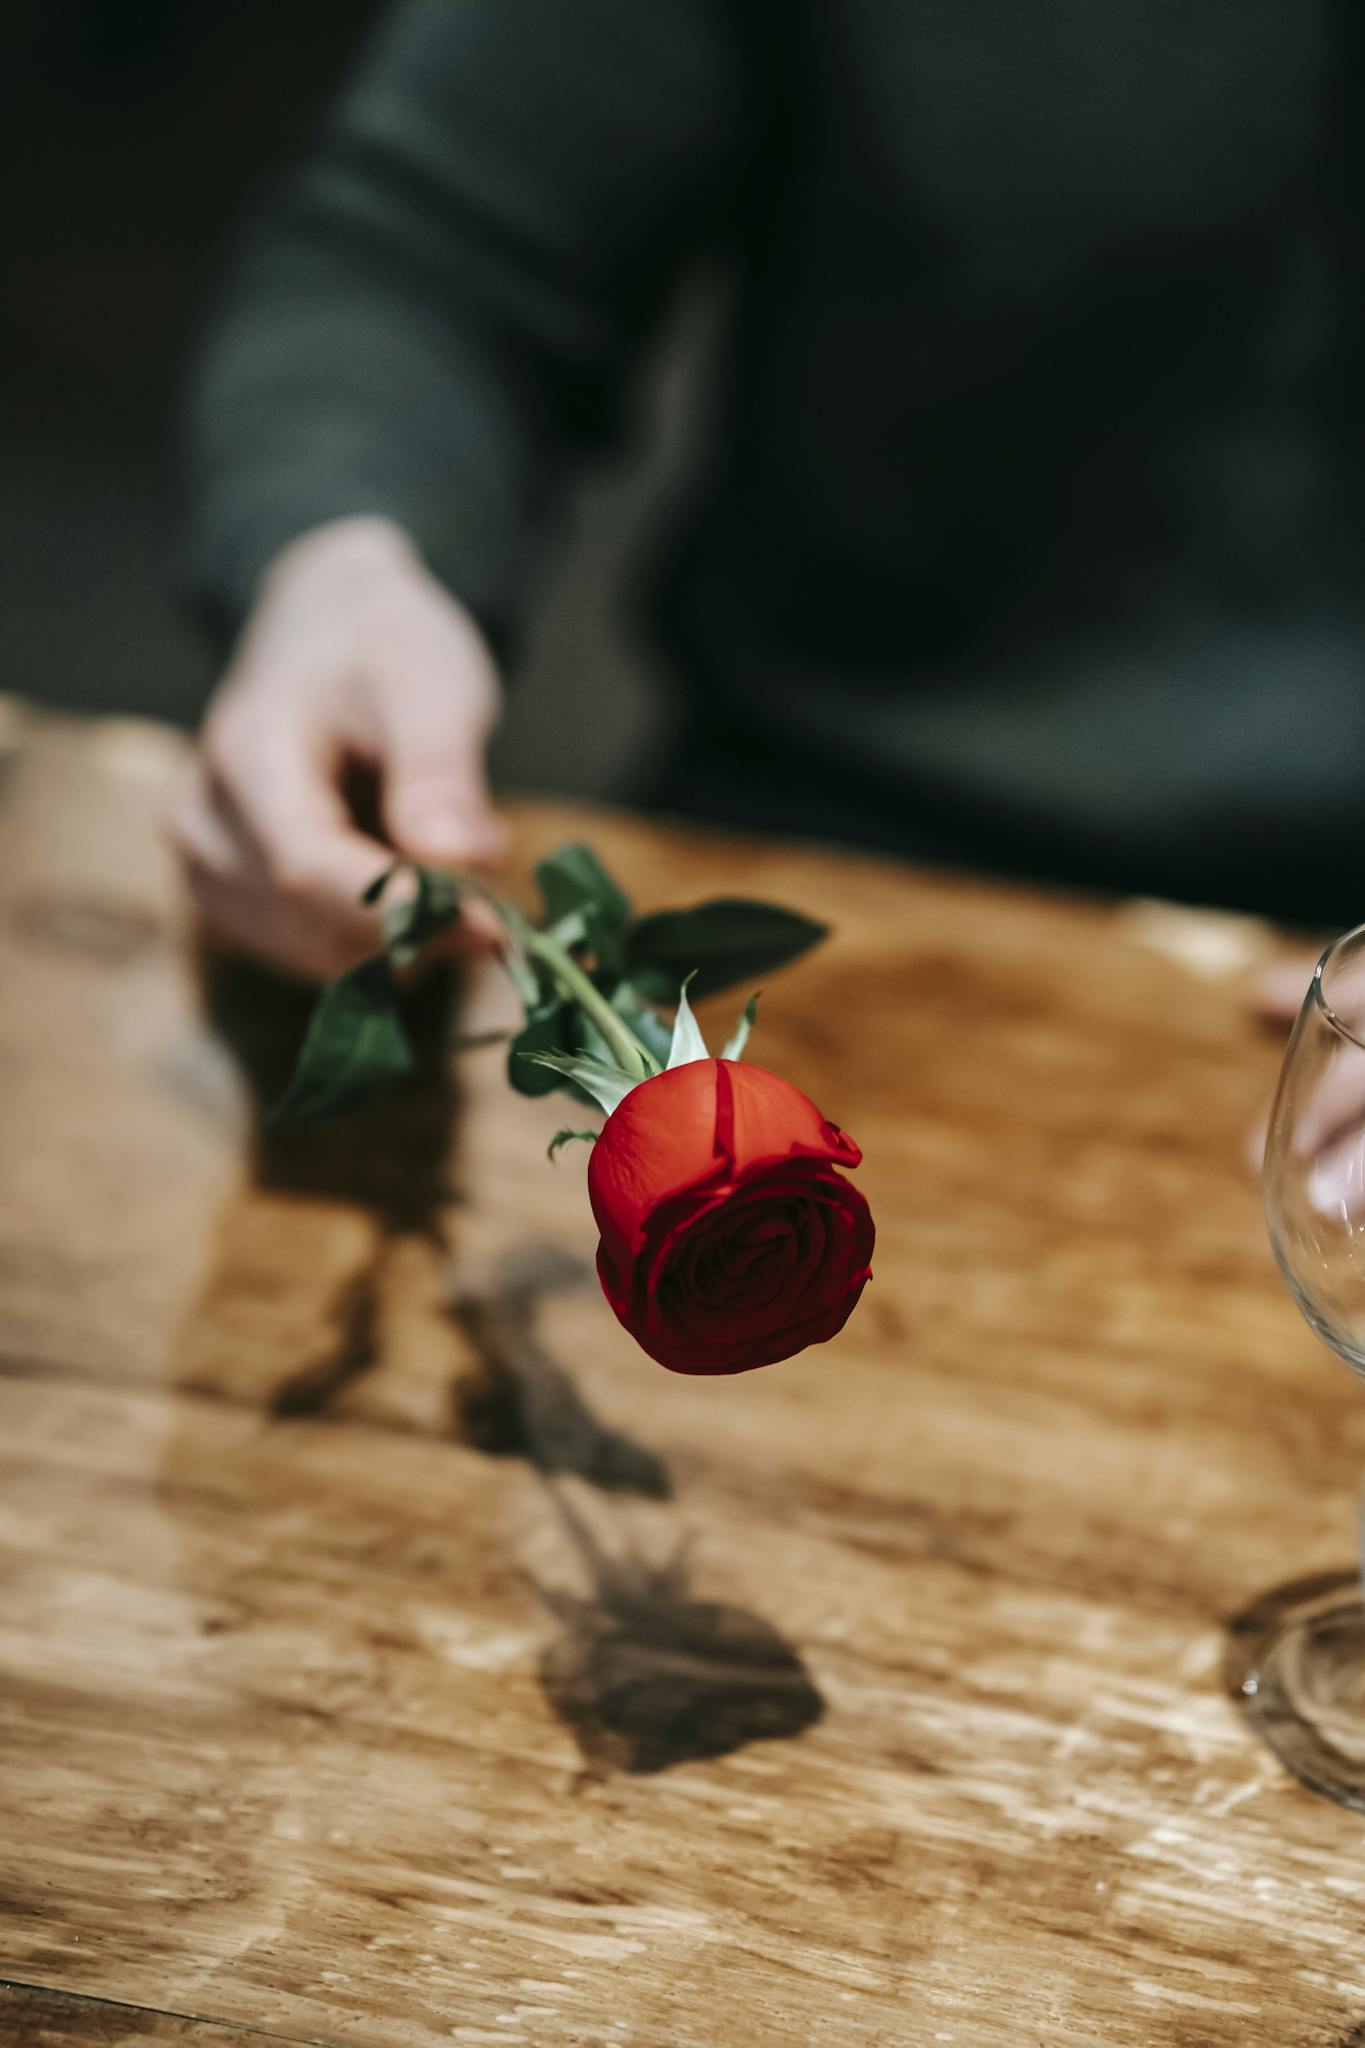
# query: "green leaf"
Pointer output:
{"type": "Point", "coordinates": [559, 1026]}
{"type": "Point", "coordinates": [533, 987]}
{"type": "Point", "coordinates": [569, 931]}
{"type": "Point", "coordinates": [433, 909]}
{"type": "Point", "coordinates": [606, 941]}
{"type": "Point", "coordinates": [550, 1027]}
{"type": "Point", "coordinates": [356, 1048]}
{"type": "Point", "coordinates": [607, 1085]}
{"type": "Point", "coordinates": [371, 896]}
{"type": "Point", "coordinates": [734, 1049]}
{"type": "Point", "coordinates": [726, 941]}
{"type": "Point", "coordinates": [562, 1138]}
{"type": "Point", "coordinates": [687, 1043]}
{"type": "Point", "coordinates": [574, 879]}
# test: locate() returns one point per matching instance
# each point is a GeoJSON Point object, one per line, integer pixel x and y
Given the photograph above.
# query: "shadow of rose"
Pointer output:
{"type": "Point", "coordinates": [646, 1676]}
{"type": "Point", "coordinates": [519, 1402]}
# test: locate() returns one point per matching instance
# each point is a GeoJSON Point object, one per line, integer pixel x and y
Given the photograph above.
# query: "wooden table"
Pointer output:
{"type": "Point", "coordinates": [390, 1654]}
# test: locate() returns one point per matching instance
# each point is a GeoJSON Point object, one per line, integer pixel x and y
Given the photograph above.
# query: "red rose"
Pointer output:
{"type": "Point", "coordinates": [728, 1239]}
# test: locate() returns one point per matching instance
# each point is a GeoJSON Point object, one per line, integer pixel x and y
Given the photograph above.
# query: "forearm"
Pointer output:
{"type": "Point", "coordinates": [327, 393]}
{"type": "Point", "coordinates": [442, 303]}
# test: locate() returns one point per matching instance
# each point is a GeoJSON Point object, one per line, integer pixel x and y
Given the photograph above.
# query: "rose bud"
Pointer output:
{"type": "Point", "coordinates": [728, 1239]}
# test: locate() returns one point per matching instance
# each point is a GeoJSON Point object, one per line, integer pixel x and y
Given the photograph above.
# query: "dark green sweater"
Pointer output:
{"type": "Point", "coordinates": [1035, 531]}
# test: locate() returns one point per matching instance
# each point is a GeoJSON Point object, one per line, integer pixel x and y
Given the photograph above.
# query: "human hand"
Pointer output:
{"type": "Point", "coordinates": [1277, 997]}
{"type": "Point", "coordinates": [1319, 1125]}
{"type": "Point", "coordinates": [1278, 991]}
{"type": "Point", "coordinates": [354, 661]}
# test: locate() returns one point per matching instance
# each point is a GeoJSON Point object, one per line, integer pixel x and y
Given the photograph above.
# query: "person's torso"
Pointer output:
{"type": "Point", "coordinates": [1041, 440]}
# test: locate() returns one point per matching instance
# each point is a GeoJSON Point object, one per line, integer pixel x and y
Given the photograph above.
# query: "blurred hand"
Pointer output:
{"type": "Point", "coordinates": [355, 660]}
{"type": "Point", "coordinates": [1329, 1120]}
{"type": "Point", "coordinates": [1277, 996]}
{"type": "Point", "coordinates": [1278, 991]}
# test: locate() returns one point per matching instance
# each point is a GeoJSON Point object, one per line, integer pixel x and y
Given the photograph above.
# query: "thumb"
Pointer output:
{"type": "Point", "coordinates": [436, 801]}
{"type": "Point", "coordinates": [1279, 990]}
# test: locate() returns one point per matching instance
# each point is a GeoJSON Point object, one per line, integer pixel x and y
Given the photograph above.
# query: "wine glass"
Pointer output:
{"type": "Point", "coordinates": [1302, 1681]}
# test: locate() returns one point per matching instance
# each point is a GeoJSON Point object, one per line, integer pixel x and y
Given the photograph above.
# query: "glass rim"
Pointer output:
{"type": "Point", "coordinates": [1334, 1021]}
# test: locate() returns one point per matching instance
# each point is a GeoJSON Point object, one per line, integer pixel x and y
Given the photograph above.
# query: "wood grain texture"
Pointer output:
{"type": "Point", "coordinates": [49, 2019]}
{"type": "Point", "coordinates": [390, 1654]}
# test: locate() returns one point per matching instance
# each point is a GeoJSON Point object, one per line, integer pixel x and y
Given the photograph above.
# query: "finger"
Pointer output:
{"type": "Point", "coordinates": [1336, 1180]}
{"type": "Point", "coordinates": [1278, 992]}
{"type": "Point", "coordinates": [279, 789]}
{"type": "Point", "coordinates": [480, 931]}
{"type": "Point", "coordinates": [198, 827]}
{"type": "Point", "coordinates": [436, 800]}
{"type": "Point", "coordinates": [253, 922]}
{"type": "Point", "coordinates": [1334, 1105]}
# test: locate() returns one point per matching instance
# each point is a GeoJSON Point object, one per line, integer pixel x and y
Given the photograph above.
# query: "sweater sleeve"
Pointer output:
{"type": "Point", "coordinates": [439, 306]}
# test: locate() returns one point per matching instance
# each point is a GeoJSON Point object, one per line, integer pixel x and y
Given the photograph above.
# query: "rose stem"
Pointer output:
{"type": "Point", "coordinates": [634, 1057]}
{"type": "Point", "coordinates": [575, 984]}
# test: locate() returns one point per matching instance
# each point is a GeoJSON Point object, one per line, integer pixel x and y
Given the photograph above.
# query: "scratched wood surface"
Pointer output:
{"type": "Point", "coordinates": [47, 2019]}
{"type": "Point", "coordinates": [390, 1654]}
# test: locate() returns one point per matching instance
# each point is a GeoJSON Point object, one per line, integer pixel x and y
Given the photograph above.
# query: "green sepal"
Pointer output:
{"type": "Point", "coordinates": [739, 1038]}
{"type": "Point", "coordinates": [687, 1044]}
{"type": "Point", "coordinates": [607, 1085]}
{"type": "Point", "coordinates": [562, 1138]}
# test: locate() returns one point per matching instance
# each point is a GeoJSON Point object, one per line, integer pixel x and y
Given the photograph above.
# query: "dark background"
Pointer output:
{"type": "Point", "coordinates": [135, 138]}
